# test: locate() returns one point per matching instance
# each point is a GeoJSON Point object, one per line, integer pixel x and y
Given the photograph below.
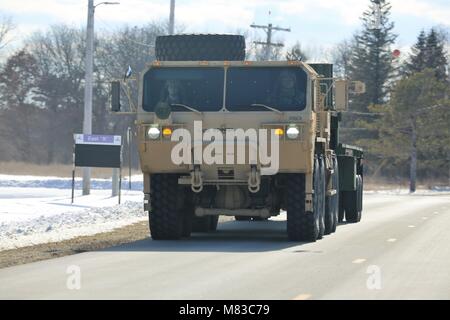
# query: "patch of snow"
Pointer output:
{"type": "Point", "coordinates": [38, 210]}
{"type": "Point", "coordinates": [69, 225]}
{"type": "Point", "coordinates": [405, 191]}
{"type": "Point", "coordinates": [64, 183]}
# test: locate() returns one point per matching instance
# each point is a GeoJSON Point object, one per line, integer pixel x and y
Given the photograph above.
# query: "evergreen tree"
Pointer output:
{"type": "Point", "coordinates": [428, 53]}
{"type": "Point", "coordinates": [372, 63]}
{"type": "Point", "coordinates": [435, 55]}
{"type": "Point", "coordinates": [414, 132]}
{"type": "Point", "coordinates": [372, 58]}
{"type": "Point", "coordinates": [417, 61]}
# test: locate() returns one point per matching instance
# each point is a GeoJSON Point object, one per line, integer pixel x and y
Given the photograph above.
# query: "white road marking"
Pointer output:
{"type": "Point", "coordinates": [359, 261]}
{"type": "Point", "coordinates": [411, 226]}
{"type": "Point", "coordinates": [391, 240]}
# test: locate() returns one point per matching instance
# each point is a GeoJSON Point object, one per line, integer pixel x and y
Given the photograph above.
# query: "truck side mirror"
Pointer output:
{"type": "Point", "coordinates": [341, 95]}
{"type": "Point", "coordinates": [115, 96]}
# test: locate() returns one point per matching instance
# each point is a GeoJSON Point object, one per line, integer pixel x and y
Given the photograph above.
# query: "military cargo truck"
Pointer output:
{"type": "Point", "coordinates": [201, 91]}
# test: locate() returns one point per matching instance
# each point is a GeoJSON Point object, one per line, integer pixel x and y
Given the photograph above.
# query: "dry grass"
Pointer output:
{"type": "Point", "coordinates": [128, 234]}
{"type": "Point", "coordinates": [390, 184]}
{"type": "Point", "coordinates": [54, 170]}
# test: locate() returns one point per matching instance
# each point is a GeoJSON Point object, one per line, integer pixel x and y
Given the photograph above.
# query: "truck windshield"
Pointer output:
{"type": "Point", "coordinates": [282, 88]}
{"type": "Point", "coordinates": [198, 88]}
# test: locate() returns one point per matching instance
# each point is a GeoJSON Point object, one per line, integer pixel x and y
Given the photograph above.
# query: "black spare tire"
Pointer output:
{"type": "Point", "coordinates": [200, 47]}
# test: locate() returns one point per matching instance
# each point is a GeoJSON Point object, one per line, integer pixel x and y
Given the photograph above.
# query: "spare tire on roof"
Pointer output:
{"type": "Point", "coordinates": [200, 47]}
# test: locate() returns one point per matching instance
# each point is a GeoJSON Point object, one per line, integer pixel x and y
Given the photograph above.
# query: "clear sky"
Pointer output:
{"type": "Point", "coordinates": [315, 23]}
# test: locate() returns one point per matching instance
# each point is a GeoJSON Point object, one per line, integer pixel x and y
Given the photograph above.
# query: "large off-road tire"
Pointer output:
{"type": "Point", "coordinates": [302, 225]}
{"type": "Point", "coordinates": [353, 202]}
{"type": "Point", "coordinates": [332, 202]}
{"type": "Point", "coordinates": [167, 214]}
{"type": "Point", "coordinates": [341, 211]}
{"type": "Point", "coordinates": [200, 47]}
{"type": "Point", "coordinates": [322, 196]}
{"type": "Point", "coordinates": [336, 199]}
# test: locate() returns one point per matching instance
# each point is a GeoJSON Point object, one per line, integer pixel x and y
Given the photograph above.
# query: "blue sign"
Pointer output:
{"type": "Point", "coordinates": [98, 139]}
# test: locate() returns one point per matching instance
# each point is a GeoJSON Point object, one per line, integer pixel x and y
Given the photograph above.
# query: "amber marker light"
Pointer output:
{"type": "Point", "coordinates": [167, 132]}
{"type": "Point", "coordinates": [279, 132]}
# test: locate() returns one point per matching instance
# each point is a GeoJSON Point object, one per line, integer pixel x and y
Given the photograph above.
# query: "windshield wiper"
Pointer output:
{"type": "Point", "coordinates": [267, 107]}
{"type": "Point", "coordinates": [186, 107]}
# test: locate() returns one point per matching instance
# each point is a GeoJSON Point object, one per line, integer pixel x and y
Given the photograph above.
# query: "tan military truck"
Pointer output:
{"type": "Point", "coordinates": [219, 135]}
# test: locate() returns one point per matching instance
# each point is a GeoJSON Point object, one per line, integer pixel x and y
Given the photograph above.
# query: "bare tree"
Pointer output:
{"type": "Point", "coordinates": [296, 53]}
{"type": "Point", "coordinates": [341, 56]}
{"type": "Point", "coordinates": [6, 26]}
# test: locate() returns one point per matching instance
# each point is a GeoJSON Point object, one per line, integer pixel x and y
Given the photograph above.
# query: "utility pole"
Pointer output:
{"type": "Point", "coordinates": [87, 120]}
{"type": "Point", "coordinates": [269, 29]}
{"type": "Point", "coordinates": [172, 17]}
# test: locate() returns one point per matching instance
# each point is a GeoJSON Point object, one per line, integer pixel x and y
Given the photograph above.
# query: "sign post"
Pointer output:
{"type": "Point", "coordinates": [97, 151]}
{"type": "Point", "coordinates": [129, 139]}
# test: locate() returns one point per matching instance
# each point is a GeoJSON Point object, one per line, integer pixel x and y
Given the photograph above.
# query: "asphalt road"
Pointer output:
{"type": "Point", "coordinates": [400, 250]}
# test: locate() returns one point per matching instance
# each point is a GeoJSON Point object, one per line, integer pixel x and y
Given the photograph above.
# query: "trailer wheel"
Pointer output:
{"type": "Point", "coordinates": [341, 212]}
{"type": "Point", "coordinates": [353, 202]}
{"type": "Point", "coordinates": [167, 214]}
{"type": "Point", "coordinates": [200, 47]}
{"type": "Point", "coordinates": [336, 204]}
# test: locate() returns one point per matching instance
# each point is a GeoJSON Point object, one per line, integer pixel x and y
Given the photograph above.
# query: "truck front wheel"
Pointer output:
{"type": "Point", "coordinates": [302, 225]}
{"type": "Point", "coordinates": [169, 208]}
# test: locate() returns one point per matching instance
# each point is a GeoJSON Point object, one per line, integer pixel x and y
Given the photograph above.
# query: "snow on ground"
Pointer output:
{"type": "Point", "coordinates": [36, 210]}
{"type": "Point", "coordinates": [405, 191]}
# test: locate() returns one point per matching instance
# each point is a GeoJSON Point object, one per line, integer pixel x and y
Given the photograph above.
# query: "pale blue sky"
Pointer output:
{"type": "Point", "coordinates": [315, 23]}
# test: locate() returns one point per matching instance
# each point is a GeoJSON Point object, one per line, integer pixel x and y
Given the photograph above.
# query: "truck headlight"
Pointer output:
{"type": "Point", "coordinates": [293, 132]}
{"type": "Point", "coordinates": [154, 133]}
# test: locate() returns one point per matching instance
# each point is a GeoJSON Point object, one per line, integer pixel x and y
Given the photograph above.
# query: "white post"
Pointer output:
{"type": "Point", "coordinates": [172, 17]}
{"type": "Point", "coordinates": [115, 182]}
{"type": "Point", "coordinates": [87, 121]}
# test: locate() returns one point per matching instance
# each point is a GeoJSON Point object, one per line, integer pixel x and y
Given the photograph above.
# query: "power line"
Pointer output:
{"type": "Point", "coordinates": [269, 29]}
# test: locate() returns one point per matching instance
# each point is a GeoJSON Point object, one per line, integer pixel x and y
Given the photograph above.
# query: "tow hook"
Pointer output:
{"type": "Point", "coordinates": [196, 180]}
{"type": "Point", "coordinates": [254, 180]}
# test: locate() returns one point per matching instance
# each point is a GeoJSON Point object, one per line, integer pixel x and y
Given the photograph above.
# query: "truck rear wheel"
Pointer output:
{"type": "Point", "coordinates": [353, 202]}
{"type": "Point", "coordinates": [200, 47]}
{"type": "Point", "coordinates": [302, 225]}
{"type": "Point", "coordinates": [332, 202]}
{"type": "Point", "coordinates": [168, 217]}
{"type": "Point", "coordinates": [321, 197]}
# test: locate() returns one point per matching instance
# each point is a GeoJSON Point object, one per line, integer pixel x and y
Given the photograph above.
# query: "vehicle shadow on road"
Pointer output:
{"type": "Point", "coordinates": [233, 236]}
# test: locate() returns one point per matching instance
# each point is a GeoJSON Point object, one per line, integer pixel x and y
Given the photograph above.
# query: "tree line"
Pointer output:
{"type": "Point", "coordinates": [402, 121]}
